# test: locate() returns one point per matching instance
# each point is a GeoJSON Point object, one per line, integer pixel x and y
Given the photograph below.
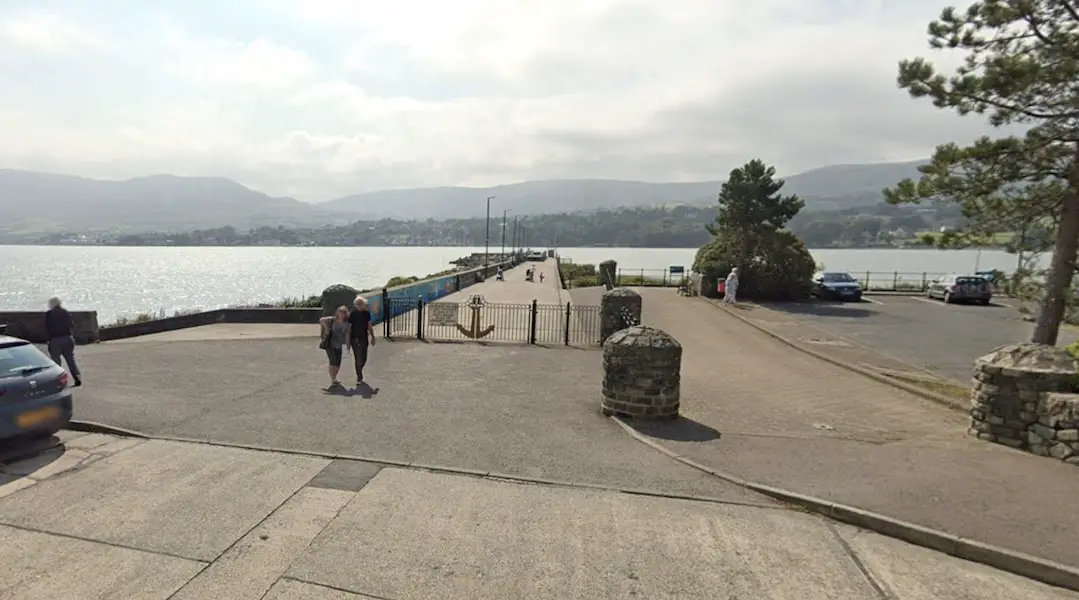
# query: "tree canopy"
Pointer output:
{"type": "Point", "coordinates": [749, 233]}
{"type": "Point", "coordinates": [1020, 70]}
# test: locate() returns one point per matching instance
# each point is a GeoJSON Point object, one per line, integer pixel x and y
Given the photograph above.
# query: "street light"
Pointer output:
{"type": "Point", "coordinates": [502, 254]}
{"type": "Point", "coordinates": [487, 236]}
{"type": "Point", "coordinates": [514, 236]}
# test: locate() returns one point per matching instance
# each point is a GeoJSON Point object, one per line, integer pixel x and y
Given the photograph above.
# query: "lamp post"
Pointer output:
{"type": "Point", "coordinates": [487, 237]}
{"type": "Point", "coordinates": [514, 237]}
{"type": "Point", "coordinates": [502, 254]}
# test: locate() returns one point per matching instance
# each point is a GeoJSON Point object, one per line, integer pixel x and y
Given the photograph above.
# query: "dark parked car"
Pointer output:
{"type": "Point", "coordinates": [961, 288]}
{"type": "Point", "coordinates": [34, 394]}
{"type": "Point", "coordinates": [836, 286]}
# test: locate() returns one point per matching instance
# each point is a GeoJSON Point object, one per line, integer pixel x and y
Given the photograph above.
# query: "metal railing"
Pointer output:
{"type": "Point", "coordinates": [649, 277]}
{"type": "Point", "coordinates": [896, 281]}
{"type": "Point", "coordinates": [478, 320]}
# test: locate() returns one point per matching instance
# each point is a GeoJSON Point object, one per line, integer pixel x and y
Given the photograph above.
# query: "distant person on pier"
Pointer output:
{"type": "Point", "coordinates": [730, 294]}
{"type": "Point", "coordinates": [334, 342]}
{"type": "Point", "coordinates": [541, 276]}
{"type": "Point", "coordinates": [361, 337]}
{"type": "Point", "coordinates": [60, 333]}
{"type": "Point", "coordinates": [499, 277]}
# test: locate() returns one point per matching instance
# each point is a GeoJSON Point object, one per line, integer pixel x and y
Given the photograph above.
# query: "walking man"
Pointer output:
{"type": "Point", "coordinates": [60, 332]}
{"type": "Point", "coordinates": [361, 335]}
{"type": "Point", "coordinates": [730, 292]}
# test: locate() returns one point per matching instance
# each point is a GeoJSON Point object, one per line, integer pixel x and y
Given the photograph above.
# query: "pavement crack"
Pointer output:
{"type": "Point", "coordinates": [335, 588]}
{"type": "Point", "coordinates": [877, 586]}
{"type": "Point", "coordinates": [103, 542]}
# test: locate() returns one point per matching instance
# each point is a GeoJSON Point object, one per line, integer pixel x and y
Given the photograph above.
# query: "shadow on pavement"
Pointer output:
{"type": "Point", "coordinates": [677, 430]}
{"type": "Point", "coordinates": [363, 390]}
{"type": "Point", "coordinates": [823, 309]}
{"type": "Point", "coordinates": [22, 456]}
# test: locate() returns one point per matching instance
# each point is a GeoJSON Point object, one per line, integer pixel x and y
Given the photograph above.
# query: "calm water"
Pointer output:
{"type": "Point", "coordinates": [127, 281]}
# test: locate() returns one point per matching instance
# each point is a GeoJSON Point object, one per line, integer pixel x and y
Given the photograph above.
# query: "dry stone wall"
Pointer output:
{"type": "Point", "coordinates": [1025, 396]}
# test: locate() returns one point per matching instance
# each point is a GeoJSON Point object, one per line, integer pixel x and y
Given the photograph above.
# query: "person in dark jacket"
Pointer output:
{"type": "Point", "coordinates": [60, 332]}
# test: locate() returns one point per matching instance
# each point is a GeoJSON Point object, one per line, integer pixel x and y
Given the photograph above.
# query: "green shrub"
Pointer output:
{"type": "Point", "coordinates": [772, 265]}
{"type": "Point", "coordinates": [1073, 349]}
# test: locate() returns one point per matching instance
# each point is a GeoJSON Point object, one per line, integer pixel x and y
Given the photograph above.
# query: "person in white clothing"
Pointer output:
{"type": "Point", "coordinates": [730, 291]}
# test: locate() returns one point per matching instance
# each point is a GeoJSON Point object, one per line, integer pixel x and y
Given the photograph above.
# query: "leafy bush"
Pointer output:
{"type": "Point", "coordinates": [1073, 349]}
{"type": "Point", "coordinates": [777, 265]}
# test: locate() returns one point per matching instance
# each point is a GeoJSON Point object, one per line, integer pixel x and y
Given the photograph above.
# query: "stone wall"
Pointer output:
{"type": "Point", "coordinates": [1025, 396]}
{"type": "Point", "coordinates": [30, 325]}
{"type": "Point", "coordinates": [618, 309]}
{"type": "Point", "coordinates": [211, 317]}
{"type": "Point", "coordinates": [642, 374]}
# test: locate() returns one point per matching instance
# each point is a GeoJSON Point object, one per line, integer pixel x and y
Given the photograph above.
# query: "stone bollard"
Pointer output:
{"type": "Point", "coordinates": [608, 274]}
{"type": "Point", "coordinates": [1024, 397]}
{"type": "Point", "coordinates": [642, 374]}
{"type": "Point", "coordinates": [619, 308]}
{"type": "Point", "coordinates": [337, 295]}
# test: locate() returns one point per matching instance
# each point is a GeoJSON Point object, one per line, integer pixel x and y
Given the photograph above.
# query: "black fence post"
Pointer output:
{"type": "Point", "coordinates": [569, 315]}
{"type": "Point", "coordinates": [895, 281]}
{"type": "Point", "coordinates": [925, 284]}
{"type": "Point", "coordinates": [419, 318]}
{"type": "Point", "coordinates": [387, 313]}
{"type": "Point", "coordinates": [532, 324]}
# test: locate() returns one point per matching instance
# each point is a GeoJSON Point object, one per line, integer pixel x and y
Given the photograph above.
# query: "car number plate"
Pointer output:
{"type": "Point", "coordinates": [36, 417]}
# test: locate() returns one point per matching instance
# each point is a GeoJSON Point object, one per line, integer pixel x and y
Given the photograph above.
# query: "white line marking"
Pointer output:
{"type": "Point", "coordinates": [872, 300]}
{"type": "Point", "coordinates": [929, 300]}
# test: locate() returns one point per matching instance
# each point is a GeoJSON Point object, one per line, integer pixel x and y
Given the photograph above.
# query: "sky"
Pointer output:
{"type": "Point", "coordinates": [317, 99]}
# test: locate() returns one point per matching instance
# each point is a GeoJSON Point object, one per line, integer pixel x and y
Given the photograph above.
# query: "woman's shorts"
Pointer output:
{"type": "Point", "coordinates": [335, 354]}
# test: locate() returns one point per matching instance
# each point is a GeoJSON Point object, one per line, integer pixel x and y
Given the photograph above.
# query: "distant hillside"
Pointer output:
{"type": "Point", "coordinates": [41, 203]}
{"type": "Point", "coordinates": [45, 202]}
{"type": "Point", "coordinates": [827, 188]}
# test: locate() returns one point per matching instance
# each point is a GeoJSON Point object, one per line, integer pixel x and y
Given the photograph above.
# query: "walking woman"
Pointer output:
{"type": "Point", "coordinates": [361, 335]}
{"type": "Point", "coordinates": [334, 341]}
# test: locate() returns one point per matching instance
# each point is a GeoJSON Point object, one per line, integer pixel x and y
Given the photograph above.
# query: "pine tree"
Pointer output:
{"type": "Point", "coordinates": [1021, 68]}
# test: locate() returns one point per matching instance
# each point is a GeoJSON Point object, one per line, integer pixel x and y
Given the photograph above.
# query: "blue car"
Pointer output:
{"type": "Point", "coordinates": [836, 286]}
{"type": "Point", "coordinates": [34, 394]}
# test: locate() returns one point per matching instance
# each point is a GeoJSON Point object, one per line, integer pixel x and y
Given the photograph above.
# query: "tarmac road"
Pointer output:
{"type": "Point", "coordinates": [943, 338]}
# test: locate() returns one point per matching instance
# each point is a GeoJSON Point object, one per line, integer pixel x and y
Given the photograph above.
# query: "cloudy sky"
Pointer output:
{"type": "Point", "coordinates": [321, 98]}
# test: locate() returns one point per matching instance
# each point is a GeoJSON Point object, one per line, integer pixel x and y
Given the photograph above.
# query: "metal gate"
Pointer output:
{"type": "Point", "coordinates": [478, 320]}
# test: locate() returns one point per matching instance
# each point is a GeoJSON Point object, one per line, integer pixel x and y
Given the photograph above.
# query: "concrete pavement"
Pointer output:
{"type": "Point", "coordinates": [494, 408]}
{"type": "Point", "coordinates": [792, 421]}
{"type": "Point", "coordinates": [156, 520]}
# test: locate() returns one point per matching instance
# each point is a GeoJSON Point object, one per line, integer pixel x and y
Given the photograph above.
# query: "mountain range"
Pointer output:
{"type": "Point", "coordinates": [36, 203]}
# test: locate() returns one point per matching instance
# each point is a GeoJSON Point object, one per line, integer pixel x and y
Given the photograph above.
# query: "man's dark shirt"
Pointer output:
{"type": "Point", "coordinates": [58, 323]}
{"type": "Point", "coordinates": [360, 321]}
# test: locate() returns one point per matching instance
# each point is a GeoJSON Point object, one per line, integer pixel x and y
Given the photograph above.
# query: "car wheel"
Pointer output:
{"type": "Point", "coordinates": [984, 302]}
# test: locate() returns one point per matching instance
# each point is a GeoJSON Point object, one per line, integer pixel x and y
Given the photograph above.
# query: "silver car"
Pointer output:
{"type": "Point", "coordinates": [961, 288]}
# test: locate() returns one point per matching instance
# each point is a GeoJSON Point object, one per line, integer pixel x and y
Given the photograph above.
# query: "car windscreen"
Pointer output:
{"type": "Point", "coordinates": [837, 278]}
{"type": "Point", "coordinates": [15, 358]}
{"type": "Point", "coordinates": [970, 280]}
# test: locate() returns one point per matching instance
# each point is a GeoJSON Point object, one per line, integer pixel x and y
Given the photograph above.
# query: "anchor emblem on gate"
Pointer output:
{"type": "Point", "coordinates": [475, 304]}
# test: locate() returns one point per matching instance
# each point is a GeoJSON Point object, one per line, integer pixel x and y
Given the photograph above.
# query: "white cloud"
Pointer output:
{"type": "Point", "coordinates": [260, 63]}
{"type": "Point", "coordinates": [47, 31]}
{"type": "Point", "coordinates": [328, 97]}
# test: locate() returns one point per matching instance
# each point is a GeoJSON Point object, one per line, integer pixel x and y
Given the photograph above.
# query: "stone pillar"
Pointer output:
{"type": "Point", "coordinates": [1024, 397]}
{"type": "Point", "coordinates": [608, 273]}
{"type": "Point", "coordinates": [619, 308]}
{"type": "Point", "coordinates": [337, 295]}
{"type": "Point", "coordinates": [642, 374]}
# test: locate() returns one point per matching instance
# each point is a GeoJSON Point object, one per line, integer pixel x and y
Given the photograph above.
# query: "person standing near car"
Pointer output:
{"type": "Point", "coordinates": [361, 335]}
{"type": "Point", "coordinates": [60, 333]}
